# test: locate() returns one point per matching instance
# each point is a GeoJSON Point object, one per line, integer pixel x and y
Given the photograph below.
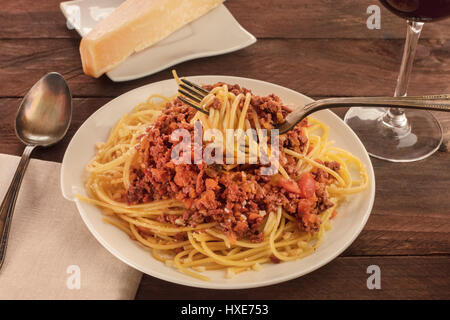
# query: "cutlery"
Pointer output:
{"type": "Point", "coordinates": [192, 94]}
{"type": "Point", "coordinates": [42, 120]}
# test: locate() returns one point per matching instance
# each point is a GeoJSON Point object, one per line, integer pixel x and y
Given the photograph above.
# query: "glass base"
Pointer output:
{"type": "Point", "coordinates": [416, 138]}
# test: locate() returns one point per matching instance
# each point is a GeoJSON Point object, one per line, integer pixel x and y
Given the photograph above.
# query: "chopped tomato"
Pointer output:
{"type": "Point", "coordinates": [241, 227]}
{"type": "Point", "coordinates": [211, 184]}
{"type": "Point", "coordinates": [304, 207]}
{"type": "Point", "coordinates": [231, 236]}
{"type": "Point", "coordinates": [253, 217]}
{"type": "Point", "coordinates": [188, 202]}
{"type": "Point", "coordinates": [289, 185]}
{"type": "Point", "coordinates": [333, 214]}
{"type": "Point", "coordinates": [307, 185]}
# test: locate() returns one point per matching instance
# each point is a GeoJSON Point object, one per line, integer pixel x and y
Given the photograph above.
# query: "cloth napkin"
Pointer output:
{"type": "Point", "coordinates": [51, 253]}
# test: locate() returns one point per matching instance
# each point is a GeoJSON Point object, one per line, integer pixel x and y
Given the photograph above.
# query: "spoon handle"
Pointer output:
{"type": "Point", "coordinates": [9, 202]}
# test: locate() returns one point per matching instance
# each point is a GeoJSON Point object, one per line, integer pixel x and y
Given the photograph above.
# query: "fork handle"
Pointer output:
{"type": "Point", "coordinates": [432, 102]}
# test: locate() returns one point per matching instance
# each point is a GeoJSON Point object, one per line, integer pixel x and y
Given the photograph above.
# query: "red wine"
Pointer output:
{"type": "Point", "coordinates": [419, 10]}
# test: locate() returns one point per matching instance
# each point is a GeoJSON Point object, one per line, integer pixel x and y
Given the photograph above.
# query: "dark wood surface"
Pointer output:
{"type": "Point", "coordinates": [321, 48]}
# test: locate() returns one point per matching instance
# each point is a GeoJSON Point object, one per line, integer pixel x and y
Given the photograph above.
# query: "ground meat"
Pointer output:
{"type": "Point", "coordinates": [270, 109]}
{"type": "Point", "coordinates": [333, 165]}
{"type": "Point", "coordinates": [216, 103]}
{"type": "Point", "coordinates": [274, 259]}
{"type": "Point", "coordinates": [257, 237]}
{"type": "Point", "coordinates": [296, 139]}
{"type": "Point", "coordinates": [234, 199]}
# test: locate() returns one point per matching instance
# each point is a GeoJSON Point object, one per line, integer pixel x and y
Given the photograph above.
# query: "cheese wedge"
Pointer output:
{"type": "Point", "coordinates": [134, 26]}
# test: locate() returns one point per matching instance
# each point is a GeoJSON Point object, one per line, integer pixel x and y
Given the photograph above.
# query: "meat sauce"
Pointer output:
{"type": "Point", "coordinates": [239, 200]}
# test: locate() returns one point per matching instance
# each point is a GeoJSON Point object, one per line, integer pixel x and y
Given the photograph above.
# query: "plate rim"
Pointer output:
{"type": "Point", "coordinates": [250, 40]}
{"type": "Point", "coordinates": [211, 284]}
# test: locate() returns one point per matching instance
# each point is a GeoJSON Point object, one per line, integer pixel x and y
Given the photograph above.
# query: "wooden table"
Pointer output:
{"type": "Point", "coordinates": [320, 48]}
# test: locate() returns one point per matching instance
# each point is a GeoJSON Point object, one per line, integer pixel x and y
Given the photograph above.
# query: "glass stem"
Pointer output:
{"type": "Point", "coordinates": [395, 117]}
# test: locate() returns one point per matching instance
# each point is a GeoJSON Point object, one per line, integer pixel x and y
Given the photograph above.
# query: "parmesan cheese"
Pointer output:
{"type": "Point", "coordinates": [134, 26]}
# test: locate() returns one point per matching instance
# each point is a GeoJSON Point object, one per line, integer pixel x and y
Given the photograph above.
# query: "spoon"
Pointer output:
{"type": "Point", "coordinates": [42, 120]}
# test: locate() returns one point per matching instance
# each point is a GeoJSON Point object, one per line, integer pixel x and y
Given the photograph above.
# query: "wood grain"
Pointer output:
{"type": "Point", "coordinates": [343, 278]}
{"type": "Point", "coordinates": [316, 67]}
{"type": "Point", "coordinates": [410, 215]}
{"type": "Point", "coordinates": [321, 48]}
{"type": "Point", "coordinates": [264, 18]}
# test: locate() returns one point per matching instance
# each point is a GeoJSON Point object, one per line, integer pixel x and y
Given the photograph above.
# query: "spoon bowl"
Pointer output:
{"type": "Point", "coordinates": [44, 115]}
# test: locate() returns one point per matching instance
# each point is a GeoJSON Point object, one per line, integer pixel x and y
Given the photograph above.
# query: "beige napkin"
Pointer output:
{"type": "Point", "coordinates": [51, 254]}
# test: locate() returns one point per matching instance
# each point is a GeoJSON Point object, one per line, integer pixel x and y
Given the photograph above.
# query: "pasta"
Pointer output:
{"type": "Point", "coordinates": [147, 196]}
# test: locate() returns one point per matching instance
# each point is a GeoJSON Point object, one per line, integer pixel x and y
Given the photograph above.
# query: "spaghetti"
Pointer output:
{"type": "Point", "coordinates": [198, 217]}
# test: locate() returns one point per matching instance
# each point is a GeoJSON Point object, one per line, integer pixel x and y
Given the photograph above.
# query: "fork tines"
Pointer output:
{"type": "Point", "coordinates": [195, 86]}
{"type": "Point", "coordinates": [192, 94]}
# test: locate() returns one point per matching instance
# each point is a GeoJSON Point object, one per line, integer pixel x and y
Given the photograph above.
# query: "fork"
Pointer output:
{"type": "Point", "coordinates": [192, 94]}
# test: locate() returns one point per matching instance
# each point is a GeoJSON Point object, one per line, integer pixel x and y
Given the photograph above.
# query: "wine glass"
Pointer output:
{"type": "Point", "coordinates": [395, 134]}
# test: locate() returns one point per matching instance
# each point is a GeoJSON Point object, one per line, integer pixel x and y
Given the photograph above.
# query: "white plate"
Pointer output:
{"type": "Point", "coordinates": [215, 33]}
{"type": "Point", "coordinates": [352, 217]}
